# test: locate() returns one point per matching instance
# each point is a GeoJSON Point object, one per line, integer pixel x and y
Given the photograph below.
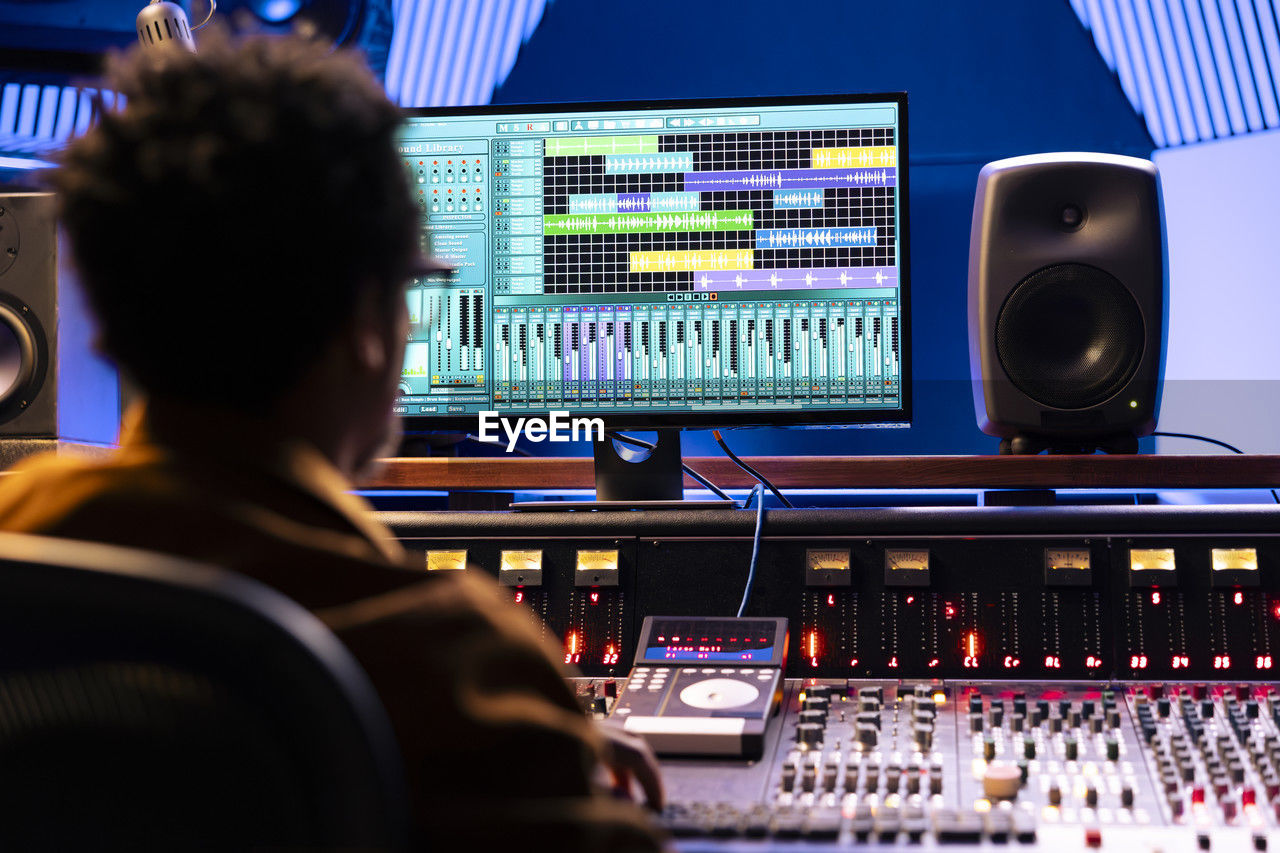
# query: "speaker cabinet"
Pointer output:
{"type": "Point", "coordinates": [52, 385]}
{"type": "Point", "coordinates": [1068, 297]}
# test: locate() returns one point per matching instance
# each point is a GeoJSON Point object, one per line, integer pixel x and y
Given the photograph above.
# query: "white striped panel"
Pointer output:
{"type": "Point", "coordinates": [456, 52]}
{"type": "Point", "coordinates": [1194, 69]}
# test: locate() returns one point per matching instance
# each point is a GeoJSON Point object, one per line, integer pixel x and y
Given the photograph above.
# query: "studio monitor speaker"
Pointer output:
{"type": "Point", "coordinates": [1067, 302]}
{"type": "Point", "coordinates": [52, 385]}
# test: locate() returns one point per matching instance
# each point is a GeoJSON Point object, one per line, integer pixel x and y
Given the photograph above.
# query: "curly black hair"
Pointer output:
{"type": "Point", "coordinates": [225, 220]}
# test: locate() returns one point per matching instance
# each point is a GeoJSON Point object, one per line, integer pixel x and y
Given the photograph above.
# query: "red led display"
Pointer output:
{"type": "Point", "coordinates": [970, 647]}
{"type": "Point", "coordinates": [572, 654]}
{"type": "Point", "coordinates": [812, 647]}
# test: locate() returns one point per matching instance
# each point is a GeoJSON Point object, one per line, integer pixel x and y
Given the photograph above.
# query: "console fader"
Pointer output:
{"type": "Point", "coordinates": [1056, 679]}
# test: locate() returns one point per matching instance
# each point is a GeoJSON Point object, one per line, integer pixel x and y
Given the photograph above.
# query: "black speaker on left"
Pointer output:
{"type": "Point", "coordinates": [53, 386]}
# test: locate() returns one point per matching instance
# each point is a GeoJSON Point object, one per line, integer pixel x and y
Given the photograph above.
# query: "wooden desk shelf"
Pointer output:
{"type": "Point", "coordinates": [859, 472]}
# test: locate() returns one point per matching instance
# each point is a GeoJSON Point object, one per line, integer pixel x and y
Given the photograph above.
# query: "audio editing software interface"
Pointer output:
{"type": "Point", "coordinates": [701, 258]}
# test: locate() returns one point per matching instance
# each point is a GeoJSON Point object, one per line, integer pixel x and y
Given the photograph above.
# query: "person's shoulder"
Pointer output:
{"type": "Point", "coordinates": [42, 489]}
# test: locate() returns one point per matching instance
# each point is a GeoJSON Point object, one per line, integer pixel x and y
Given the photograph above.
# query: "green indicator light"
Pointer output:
{"type": "Point", "coordinates": [1133, 404]}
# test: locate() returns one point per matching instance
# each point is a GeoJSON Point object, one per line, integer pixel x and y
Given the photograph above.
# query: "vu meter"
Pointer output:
{"type": "Point", "coordinates": [906, 567]}
{"type": "Point", "coordinates": [1067, 558]}
{"type": "Point", "coordinates": [1067, 567]}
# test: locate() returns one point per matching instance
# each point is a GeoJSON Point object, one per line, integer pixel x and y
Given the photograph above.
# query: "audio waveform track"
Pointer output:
{"type": "Point", "coordinates": [794, 200]}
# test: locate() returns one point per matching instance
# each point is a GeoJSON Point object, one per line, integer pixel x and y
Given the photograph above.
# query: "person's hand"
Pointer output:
{"type": "Point", "coordinates": [629, 758]}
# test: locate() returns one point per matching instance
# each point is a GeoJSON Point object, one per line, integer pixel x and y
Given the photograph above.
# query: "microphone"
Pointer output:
{"type": "Point", "coordinates": [163, 26]}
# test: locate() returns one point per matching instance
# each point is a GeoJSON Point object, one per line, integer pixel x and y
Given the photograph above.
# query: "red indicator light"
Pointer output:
{"type": "Point", "coordinates": [1011, 662]}
{"type": "Point", "coordinates": [933, 662]}
{"type": "Point", "coordinates": [949, 611]}
{"type": "Point", "coordinates": [911, 599]}
{"type": "Point", "coordinates": [1275, 610]}
{"type": "Point", "coordinates": [519, 596]}
{"type": "Point", "coordinates": [1155, 596]}
{"type": "Point", "coordinates": [1052, 662]}
{"type": "Point", "coordinates": [893, 662]}
{"type": "Point", "coordinates": [1138, 662]}
{"type": "Point", "coordinates": [1180, 662]}
{"type": "Point", "coordinates": [831, 601]}
{"type": "Point", "coordinates": [610, 656]}
{"type": "Point", "coordinates": [1092, 662]}
{"type": "Point", "coordinates": [1238, 598]}
{"type": "Point", "coordinates": [853, 662]}
{"type": "Point", "coordinates": [1262, 662]}
{"type": "Point", "coordinates": [1221, 661]}
{"type": "Point", "coordinates": [595, 598]}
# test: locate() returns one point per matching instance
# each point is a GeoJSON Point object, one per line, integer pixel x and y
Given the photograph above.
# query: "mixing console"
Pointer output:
{"type": "Point", "coordinates": [1055, 679]}
{"type": "Point", "coordinates": [1142, 766]}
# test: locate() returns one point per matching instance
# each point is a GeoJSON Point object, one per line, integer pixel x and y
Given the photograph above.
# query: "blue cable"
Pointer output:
{"type": "Point", "coordinates": [757, 491]}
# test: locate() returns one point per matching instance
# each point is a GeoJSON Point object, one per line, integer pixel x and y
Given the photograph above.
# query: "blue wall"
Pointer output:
{"type": "Point", "coordinates": [985, 81]}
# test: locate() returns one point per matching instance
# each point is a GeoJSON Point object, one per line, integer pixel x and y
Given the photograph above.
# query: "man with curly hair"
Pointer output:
{"type": "Point", "coordinates": [243, 229]}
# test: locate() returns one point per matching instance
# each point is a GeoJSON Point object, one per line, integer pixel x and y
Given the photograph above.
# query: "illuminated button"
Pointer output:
{"type": "Point", "coordinates": [824, 567]}
{"type": "Point", "coordinates": [1152, 567]}
{"type": "Point", "coordinates": [446, 561]}
{"type": "Point", "coordinates": [1234, 567]}
{"type": "Point", "coordinates": [597, 568]}
{"type": "Point", "coordinates": [906, 567]}
{"type": "Point", "coordinates": [520, 568]}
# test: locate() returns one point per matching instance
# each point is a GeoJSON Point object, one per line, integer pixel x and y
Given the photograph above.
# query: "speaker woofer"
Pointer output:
{"type": "Point", "coordinates": [1070, 336]}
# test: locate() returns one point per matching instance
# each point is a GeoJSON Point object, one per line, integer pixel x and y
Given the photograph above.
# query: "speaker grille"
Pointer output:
{"type": "Point", "coordinates": [1070, 336]}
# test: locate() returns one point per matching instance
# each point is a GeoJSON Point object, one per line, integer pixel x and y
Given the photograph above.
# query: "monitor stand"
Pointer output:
{"type": "Point", "coordinates": [631, 477]}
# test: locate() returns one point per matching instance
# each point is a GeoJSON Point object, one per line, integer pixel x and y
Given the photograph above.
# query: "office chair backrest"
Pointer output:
{"type": "Point", "coordinates": [148, 702]}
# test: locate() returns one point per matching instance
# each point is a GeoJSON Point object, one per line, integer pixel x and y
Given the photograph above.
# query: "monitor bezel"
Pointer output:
{"type": "Point", "coordinates": [617, 419]}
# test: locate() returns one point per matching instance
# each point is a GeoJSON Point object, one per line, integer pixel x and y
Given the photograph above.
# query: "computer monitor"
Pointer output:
{"type": "Point", "coordinates": [677, 264]}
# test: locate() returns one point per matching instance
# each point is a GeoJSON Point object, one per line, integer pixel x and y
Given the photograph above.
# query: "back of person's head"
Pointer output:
{"type": "Point", "coordinates": [226, 221]}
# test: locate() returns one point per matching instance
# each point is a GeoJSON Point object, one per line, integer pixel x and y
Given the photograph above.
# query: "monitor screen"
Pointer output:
{"type": "Point", "coordinates": [691, 263]}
